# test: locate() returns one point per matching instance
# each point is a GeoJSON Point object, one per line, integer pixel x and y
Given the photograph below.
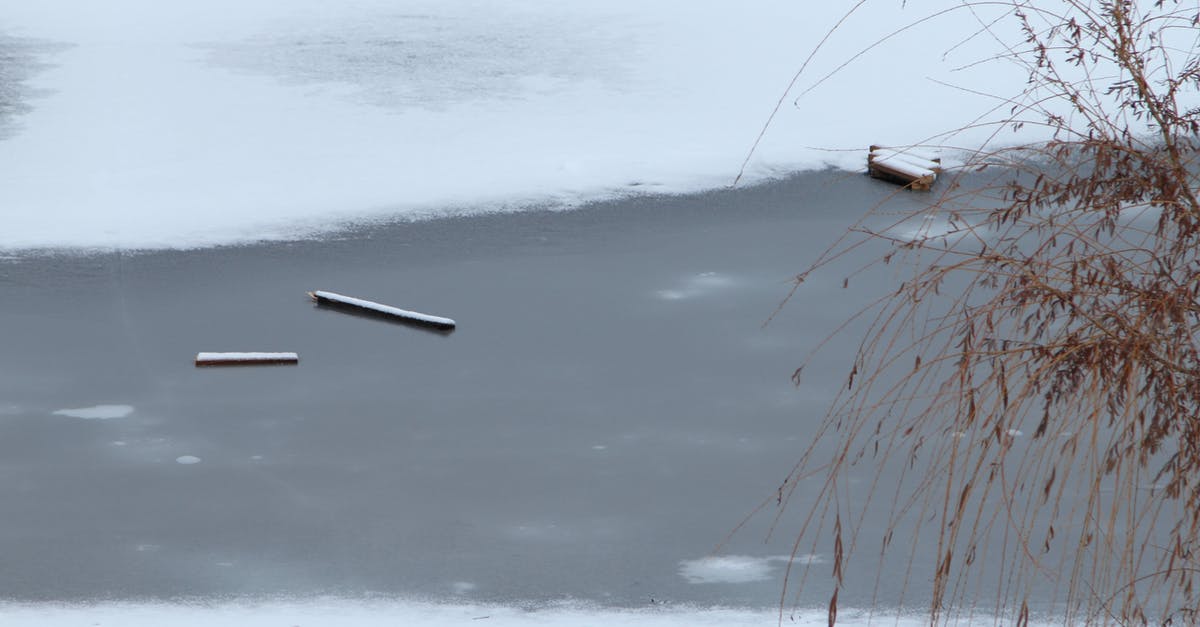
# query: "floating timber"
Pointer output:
{"type": "Point", "coordinates": [903, 167]}
{"type": "Point", "coordinates": [246, 359]}
{"type": "Point", "coordinates": [330, 299]}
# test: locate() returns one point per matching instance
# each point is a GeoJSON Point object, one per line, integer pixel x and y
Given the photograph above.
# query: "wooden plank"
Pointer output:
{"type": "Point", "coordinates": [330, 299]}
{"type": "Point", "coordinates": [902, 168]}
{"type": "Point", "coordinates": [246, 359]}
{"type": "Point", "coordinates": [896, 167]}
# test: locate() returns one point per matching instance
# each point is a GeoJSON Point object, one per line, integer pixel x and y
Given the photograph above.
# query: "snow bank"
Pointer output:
{"type": "Point", "coordinates": [205, 122]}
{"type": "Point", "coordinates": [374, 613]}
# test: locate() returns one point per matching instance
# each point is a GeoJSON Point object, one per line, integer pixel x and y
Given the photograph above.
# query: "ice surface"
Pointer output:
{"type": "Point", "coordinates": [97, 412]}
{"type": "Point", "coordinates": [187, 460]}
{"type": "Point", "coordinates": [197, 123]}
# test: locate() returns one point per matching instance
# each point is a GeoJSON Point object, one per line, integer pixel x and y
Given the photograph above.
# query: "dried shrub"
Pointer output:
{"type": "Point", "coordinates": [1033, 386]}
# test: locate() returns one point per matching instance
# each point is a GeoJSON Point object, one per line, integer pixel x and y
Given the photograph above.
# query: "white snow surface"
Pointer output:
{"type": "Point", "coordinates": [904, 167]}
{"type": "Point", "coordinates": [202, 122]}
{"type": "Point", "coordinates": [350, 613]}
{"type": "Point", "coordinates": [97, 412]}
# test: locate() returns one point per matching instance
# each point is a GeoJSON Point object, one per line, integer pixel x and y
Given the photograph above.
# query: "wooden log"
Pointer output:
{"type": "Point", "coordinates": [331, 299]}
{"type": "Point", "coordinates": [246, 359]}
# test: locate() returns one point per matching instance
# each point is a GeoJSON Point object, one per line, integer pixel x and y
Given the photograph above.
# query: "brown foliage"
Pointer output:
{"type": "Point", "coordinates": [1042, 358]}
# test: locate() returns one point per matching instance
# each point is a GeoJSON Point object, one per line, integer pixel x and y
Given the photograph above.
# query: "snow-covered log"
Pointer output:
{"type": "Point", "coordinates": [331, 299]}
{"type": "Point", "coordinates": [245, 359]}
{"type": "Point", "coordinates": [902, 167]}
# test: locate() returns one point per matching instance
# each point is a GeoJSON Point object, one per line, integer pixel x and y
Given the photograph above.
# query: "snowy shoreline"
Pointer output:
{"type": "Point", "coordinates": [203, 124]}
{"type": "Point", "coordinates": [378, 613]}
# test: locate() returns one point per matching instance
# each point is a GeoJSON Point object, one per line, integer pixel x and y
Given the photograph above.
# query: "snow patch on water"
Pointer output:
{"type": "Point", "coordinates": [737, 568]}
{"type": "Point", "coordinates": [463, 587]}
{"type": "Point", "coordinates": [699, 285]}
{"type": "Point", "coordinates": [97, 412]}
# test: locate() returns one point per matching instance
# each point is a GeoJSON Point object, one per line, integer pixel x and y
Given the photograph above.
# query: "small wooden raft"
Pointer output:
{"type": "Point", "coordinates": [898, 165]}
{"type": "Point", "coordinates": [376, 309]}
{"type": "Point", "coordinates": [246, 359]}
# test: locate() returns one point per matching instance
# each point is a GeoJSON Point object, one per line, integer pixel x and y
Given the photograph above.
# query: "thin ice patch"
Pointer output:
{"type": "Point", "coordinates": [97, 412]}
{"type": "Point", "coordinates": [187, 460]}
{"type": "Point", "coordinates": [698, 285]}
{"type": "Point", "coordinates": [737, 568]}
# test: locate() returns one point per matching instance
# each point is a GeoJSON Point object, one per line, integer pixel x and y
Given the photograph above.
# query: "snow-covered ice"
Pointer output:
{"type": "Point", "coordinates": [97, 412]}
{"type": "Point", "coordinates": [371, 613]}
{"type": "Point", "coordinates": [194, 123]}
{"type": "Point", "coordinates": [187, 460]}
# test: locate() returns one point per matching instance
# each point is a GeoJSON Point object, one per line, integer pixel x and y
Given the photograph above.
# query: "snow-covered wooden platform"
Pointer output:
{"type": "Point", "coordinates": [903, 166]}
{"type": "Point", "coordinates": [367, 307]}
{"type": "Point", "coordinates": [246, 359]}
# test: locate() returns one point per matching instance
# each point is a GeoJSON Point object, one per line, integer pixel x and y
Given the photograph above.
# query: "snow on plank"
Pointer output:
{"type": "Point", "coordinates": [376, 309]}
{"type": "Point", "coordinates": [912, 156]}
{"type": "Point", "coordinates": [246, 359]}
{"type": "Point", "coordinates": [914, 161]}
{"type": "Point", "coordinates": [901, 167]}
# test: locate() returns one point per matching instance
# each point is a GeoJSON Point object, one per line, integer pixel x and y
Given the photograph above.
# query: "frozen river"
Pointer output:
{"type": "Point", "coordinates": [609, 409]}
{"type": "Point", "coordinates": [174, 178]}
